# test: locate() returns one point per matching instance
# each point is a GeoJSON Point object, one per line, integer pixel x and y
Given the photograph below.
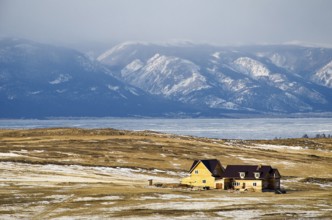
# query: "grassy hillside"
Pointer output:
{"type": "Point", "coordinates": [104, 173]}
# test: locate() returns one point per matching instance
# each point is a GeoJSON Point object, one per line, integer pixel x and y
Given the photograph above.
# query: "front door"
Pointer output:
{"type": "Point", "coordinates": [219, 185]}
{"type": "Point", "coordinates": [243, 185]}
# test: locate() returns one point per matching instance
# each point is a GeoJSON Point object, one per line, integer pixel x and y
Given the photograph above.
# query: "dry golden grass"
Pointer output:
{"type": "Point", "coordinates": [103, 173]}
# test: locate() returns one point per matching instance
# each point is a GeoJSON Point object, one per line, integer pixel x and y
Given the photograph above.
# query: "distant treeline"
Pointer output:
{"type": "Point", "coordinates": [318, 136]}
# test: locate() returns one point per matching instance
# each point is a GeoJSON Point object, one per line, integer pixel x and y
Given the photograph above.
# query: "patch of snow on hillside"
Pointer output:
{"type": "Point", "coordinates": [113, 88]}
{"type": "Point", "coordinates": [216, 55]}
{"type": "Point", "coordinates": [165, 75]}
{"type": "Point", "coordinates": [132, 67]}
{"type": "Point", "coordinates": [278, 147]}
{"type": "Point", "coordinates": [216, 102]}
{"type": "Point", "coordinates": [251, 67]}
{"type": "Point", "coordinates": [10, 154]}
{"type": "Point", "coordinates": [278, 60]}
{"type": "Point", "coordinates": [277, 78]}
{"type": "Point", "coordinates": [240, 214]}
{"type": "Point", "coordinates": [132, 91]}
{"type": "Point", "coordinates": [118, 48]}
{"type": "Point", "coordinates": [61, 79]}
{"type": "Point", "coordinates": [180, 206]}
{"type": "Point", "coordinates": [76, 173]}
{"type": "Point", "coordinates": [172, 196]}
{"type": "Point", "coordinates": [87, 199]}
{"type": "Point", "coordinates": [34, 92]}
{"type": "Point", "coordinates": [324, 75]}
{"type": "Point", "coordinates": [194, 83]}
{"type": "Point", "coordinates": [61, 90]}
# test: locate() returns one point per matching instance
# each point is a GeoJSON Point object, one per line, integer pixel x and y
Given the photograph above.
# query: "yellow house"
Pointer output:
{"type": "Point", "coordinates": [204, 173]}
{"type": "Point", "coordinates": [211, 174]}
{"type": "Point", "coordinates": [247, 177]}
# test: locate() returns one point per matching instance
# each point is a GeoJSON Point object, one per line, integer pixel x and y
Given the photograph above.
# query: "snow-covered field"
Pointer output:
{"type": "Point", "coordinates": [75, 173]}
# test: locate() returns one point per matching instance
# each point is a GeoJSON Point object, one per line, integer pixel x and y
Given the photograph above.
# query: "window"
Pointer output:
{"type": "Point", "coordinates": [254, 184]}
{"type": "Point", "coordinates": [196, 171]}
{"type": "Point", "coordinates": [235, 183]}
{"type": "Point", "coordinates": [257, 175]}
{"type": "Point", "coordinates": [242, 174]}
{"type": "Point", "coordinates": [203, 181]}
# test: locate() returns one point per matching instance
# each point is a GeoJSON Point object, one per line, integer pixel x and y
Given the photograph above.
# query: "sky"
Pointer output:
{"type": "Point", "coordinates": [221, 22]}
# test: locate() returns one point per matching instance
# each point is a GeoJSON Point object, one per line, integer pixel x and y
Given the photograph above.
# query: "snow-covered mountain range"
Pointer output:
{"type": "Point", "coordinates": [279, 78]}
{"type": "Point", "coordinates": [144, 79]}
{"type": "Point", "coordinates": [38, 80]}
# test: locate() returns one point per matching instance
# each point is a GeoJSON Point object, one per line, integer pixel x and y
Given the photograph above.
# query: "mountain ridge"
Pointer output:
{"type": "Point", "coordinates": [254, 78]}
{"type": "Point", "coordinates": [163, 80]}
{"type": "Point", "coordinates": [39, 80]}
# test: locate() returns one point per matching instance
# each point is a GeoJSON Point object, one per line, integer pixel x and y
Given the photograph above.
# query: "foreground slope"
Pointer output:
{"type": "Point", "coordinates": [104, 173]}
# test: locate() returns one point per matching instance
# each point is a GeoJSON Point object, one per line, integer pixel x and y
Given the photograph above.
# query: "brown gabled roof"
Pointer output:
{"type": "Point", "coordinates": [232, 171]}
{"type": "Point", "coordinates": [210, 164]}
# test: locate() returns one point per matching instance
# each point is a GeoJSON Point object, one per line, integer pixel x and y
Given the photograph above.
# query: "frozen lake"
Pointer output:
{"type": "Point", "coordinates": [257, 128]}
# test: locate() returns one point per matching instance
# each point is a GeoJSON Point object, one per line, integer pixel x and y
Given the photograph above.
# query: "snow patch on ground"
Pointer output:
{"type": "Point", "coordinates": [86, 199]}
{"type": "Point", "coordinates": [164, 197]}
{"type": "Point", "coordinates": [181, 206]}
{"type": "Point", "coordinates": [76, 173]}
{"type": "Point", "coordinates": [249, 159]}
{"type": "Point", "coordinates": [277, 147]}
{"type": "Point", "coordinates": [10, 154]}
{"type": "Point", "coordinates": [240, 214]}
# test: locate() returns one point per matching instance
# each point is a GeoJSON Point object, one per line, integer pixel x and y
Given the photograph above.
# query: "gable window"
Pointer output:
{"type": "Point", "coordinates": [254, 184]}
{"type": "Point", "coordinates": [257, 175]}
{"type": "Point", "coordinates": [242, 174]}
{"type": "Point", "coordinates": [203, 181]}
{"type": "Point", "coordinates": [196, 171]}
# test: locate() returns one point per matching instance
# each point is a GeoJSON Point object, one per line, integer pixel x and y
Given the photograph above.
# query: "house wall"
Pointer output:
{"type": "Point", "coordinates": [273, 184]}
{"type": "Point", "coordinates": [200, 177]}
{"type": "Point", "coordinates": [248, 184]}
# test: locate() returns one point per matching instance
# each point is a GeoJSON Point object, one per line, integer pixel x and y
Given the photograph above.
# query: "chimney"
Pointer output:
{"type": "Point", "coordinates": [259, 166]}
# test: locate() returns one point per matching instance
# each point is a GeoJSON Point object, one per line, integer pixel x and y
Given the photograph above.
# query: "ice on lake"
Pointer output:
{"type": "Point", "coordinates": [254, 128]}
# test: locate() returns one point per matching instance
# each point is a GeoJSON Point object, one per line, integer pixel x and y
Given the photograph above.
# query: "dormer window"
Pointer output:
{"type": "Point", "coordinates": [257, 175]}
{"type": "Point", "coordinates": [242, 175]}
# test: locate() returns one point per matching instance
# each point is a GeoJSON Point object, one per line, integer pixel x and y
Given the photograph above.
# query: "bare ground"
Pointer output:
{"type": "Point", "coordinates": [103, 173]}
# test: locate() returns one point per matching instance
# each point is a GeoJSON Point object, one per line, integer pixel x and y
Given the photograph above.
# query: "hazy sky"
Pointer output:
{"type": "Point", "coordinates": [209, 21]}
